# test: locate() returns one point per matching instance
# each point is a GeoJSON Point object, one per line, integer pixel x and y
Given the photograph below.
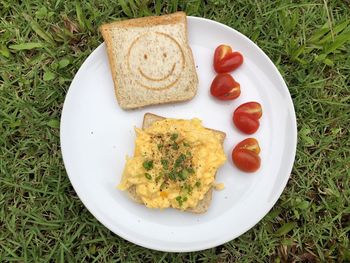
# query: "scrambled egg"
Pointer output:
{"type": "Point", "coordinates": [174, 163]}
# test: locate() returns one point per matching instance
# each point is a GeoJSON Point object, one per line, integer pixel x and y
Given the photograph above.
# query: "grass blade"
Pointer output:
{"type": "Point", "coordinates": [338, 42]}
{"type": "Point", "coordinates": [80, 16]}
{"type": "Point", "coordinates": [4, 51]}
{"type": "Point", "coordinates": [27, 46]}
{"type": "Point", "coordinates": [158, 7]}
{"type": "Point", "coordinates": [125, 8]}
{"type": "Point", "coordinates": [296, 53]}
{"type": "Point", "coordinates": [319, 33]}
{"type": "Point", "coordinates": [286, 228]}
{"type": "Point", "coordinates": [37, 29]}
{"type": "Point", "coordinates": [133, 6]}
{"type": "Point", "coordinates": [192, 7]}
{"type": "Point", "coordinates": [332, 35]}
{"type": "Point", "coordinates": [144, 10]}
{"type": "Point", "coordinates": [54, 123]}
{"type": "Point", "coordinates": [174, 5]}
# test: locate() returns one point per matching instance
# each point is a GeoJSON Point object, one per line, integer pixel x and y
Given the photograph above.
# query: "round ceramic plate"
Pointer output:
{"type": "Point", "coordinates": [96, 135]}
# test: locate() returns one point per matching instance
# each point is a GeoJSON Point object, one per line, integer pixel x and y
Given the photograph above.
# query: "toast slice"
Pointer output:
{"type": "Point", "coordinates": [150, 60]}
{"type": "Point", "coordinates": [203, 205]}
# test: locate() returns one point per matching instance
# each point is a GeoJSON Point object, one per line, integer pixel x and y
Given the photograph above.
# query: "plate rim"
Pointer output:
{"type": "Point", "coordinates": [217, 242]}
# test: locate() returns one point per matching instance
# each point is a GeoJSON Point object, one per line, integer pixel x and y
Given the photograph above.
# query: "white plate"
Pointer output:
{"type": "Point", "coordinates": [96, 135]}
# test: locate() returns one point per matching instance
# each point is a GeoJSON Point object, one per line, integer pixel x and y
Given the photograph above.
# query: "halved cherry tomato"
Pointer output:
{"type": "Point", "coordinates": [250, 144]}
{"type": "Point", "coordinates": [246, 160]}
{"type": "Point", "coordinates": [245, 123]}
{"type": "Point", "coordinates": [253, 108]}
{"type": "Point", "coordinates": [224, 87]}
{"type": "Point", "coordinates": [246, 117]}
{"type": "Point", "coordinates": [245, 155]}
{"type": "Point", "coordinates": [225, 60]}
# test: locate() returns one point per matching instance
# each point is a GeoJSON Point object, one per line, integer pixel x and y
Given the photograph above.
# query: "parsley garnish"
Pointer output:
{"type": "Point", "coordinates": [179, 160]}
{"type": "Point", "coordinates": [165, 164]}
{"type": "Point", "coordinates": [175, 146]}
{"type": "Point", "coordinates": [180, 199]}
{"type": "Point", "coordinates": [190, 170]}
{"type": "Point", "coordinates": [148, 165]}
{"type": "Point", "coordinates": [183, 174]}
{"type": "Point", "coordinates": [160, 146]}
{"type": "Point", "coordinates": [172, 175]}
{"type": "Point", "coordinates": [188, 188]}
{"type": "Point", "coordinates": [174, 136]}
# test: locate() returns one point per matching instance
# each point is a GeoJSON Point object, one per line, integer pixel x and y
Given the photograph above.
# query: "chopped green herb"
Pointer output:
{"type": "Point", "coordinates": [198, 184]}
{"type": "Point", "coordinates": [188, 188]}
{"type": "Point", "coordinates": [175, 146]}
{"type": "Point", "coordinates": [172, 175]}
{"type": "Point", "coordinates": [165, 164]}
{"type": "Point", "coordinates": [148, 176]}
{"type": "Point", "coordinates": [174, 136]}
{"type": "Point", "coordinates": [182, 157]}
{"type": "Point", "coordinates": [188, 153]}
{"type": "Point", "coordinates": [190, 170]}
{"type": "Point", "coordinates": [179, 160]}
{"type": "Point", "coordinates": [148, 165]}
{"type": "Point", "coordinates": [183, 174]}
{"type": "Point", "coordinates": [186, 144]}
{"type": "Point", "coordinates": [160, 146]}
{"type": "Point", "coordinates": [179, 200]}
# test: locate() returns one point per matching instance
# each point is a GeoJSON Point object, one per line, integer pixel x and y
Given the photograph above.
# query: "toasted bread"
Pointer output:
{"type": "Point", "coordinates": [150, 60]}
{"type": "Point", "coordinates": [203, 204]}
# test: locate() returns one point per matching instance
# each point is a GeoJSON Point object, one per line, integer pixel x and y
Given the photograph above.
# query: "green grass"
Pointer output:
{"type": "Point", "coordinates": [42, 45]}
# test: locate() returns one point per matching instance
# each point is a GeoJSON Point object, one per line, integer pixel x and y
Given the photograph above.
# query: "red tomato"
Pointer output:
{"type": "Point", "coordinates": [245, 123]}
{"type": "Point", "coordinates": [246, 117]}
{"type": "Point", "coordinates": [224, 87]}
{"type": "Point", "coordinates": [250, 144]}
{"type": "Point", "coordinates": [246, 160]}
{"type": "Point", "coordinates": [252, 108]}
{"type": "Point", "coordinates": [225, 60]}
{"type": "Point", "coordinates": [245, 155]}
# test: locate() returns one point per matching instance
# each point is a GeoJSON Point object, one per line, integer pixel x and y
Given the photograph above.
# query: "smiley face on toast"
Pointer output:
{"type": "Point", "coordinates": [156, 60]}
{"type": "Point", "coordinates": [151, 61]}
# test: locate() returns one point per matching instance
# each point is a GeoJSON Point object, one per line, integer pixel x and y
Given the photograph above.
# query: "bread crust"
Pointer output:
{"type": "Point", "coordinates": [150, 20]}
{"type": "Point", "coordinates": [203, 205]}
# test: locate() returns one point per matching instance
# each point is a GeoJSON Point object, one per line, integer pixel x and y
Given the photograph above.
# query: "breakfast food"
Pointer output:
{"type": "Point", "coordinates": [225, 60]}
{"type": "Point", "coordinates": [174, 164]}
{"type": "Point", "coordinates": [246, 117]}
{"type": "Point", "coordinates": [246, 155]}
{"type": "Point", "coordinates": [224, 87]}
{"type": "Point", "coordinates": [150, 60]}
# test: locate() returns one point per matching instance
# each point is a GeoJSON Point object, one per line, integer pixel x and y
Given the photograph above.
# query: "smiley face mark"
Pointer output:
{"type": "Point", "coordinates": [156, 60]}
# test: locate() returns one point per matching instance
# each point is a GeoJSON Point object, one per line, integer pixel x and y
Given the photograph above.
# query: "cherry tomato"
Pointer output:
{"type": "Point", "coordinates": [245, 155]}
{"type": "Point", "coordinates": [224, 87]}
{"type": "Point", "coordinates": [246, 117]}
{"type": "Point", "coordinates": [225, 60]}
{"type": "Point", "coordinates": [253, 108]}
{"type": "Point", "coordinates": [245, 160]}
{"type": "Point", "coordinates": [250, 144]}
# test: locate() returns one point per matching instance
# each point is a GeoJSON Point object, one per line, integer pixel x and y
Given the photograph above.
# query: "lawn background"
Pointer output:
{"type": "Point", "coordinates": [43, 44]}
